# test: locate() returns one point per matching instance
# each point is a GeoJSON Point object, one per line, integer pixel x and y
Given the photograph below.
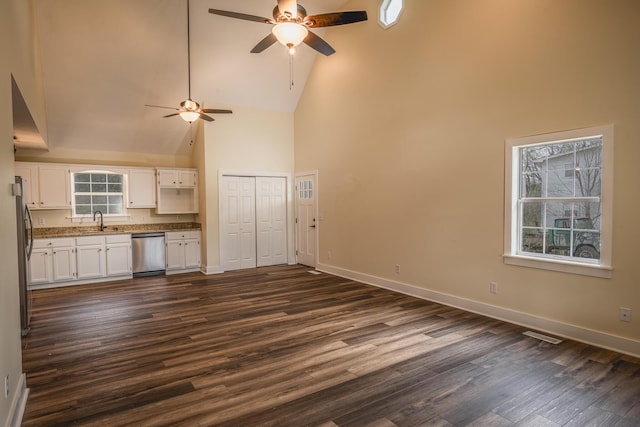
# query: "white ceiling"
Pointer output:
{"type": "Point", "coordinates": [103, 61]}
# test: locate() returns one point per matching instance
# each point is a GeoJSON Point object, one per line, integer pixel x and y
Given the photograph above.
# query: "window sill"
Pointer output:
{"type": "Point", "coordinates": [605, 272]}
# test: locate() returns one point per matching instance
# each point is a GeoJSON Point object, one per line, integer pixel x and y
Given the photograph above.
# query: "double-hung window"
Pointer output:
{"type": "Point", "coordinates": [98, 191]}
{"type": "Point", "coordinates": [558, 201]}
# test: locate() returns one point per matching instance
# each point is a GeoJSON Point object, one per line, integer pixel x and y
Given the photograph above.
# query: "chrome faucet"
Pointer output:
{"type": "Point", "coordinates": [101, 221]}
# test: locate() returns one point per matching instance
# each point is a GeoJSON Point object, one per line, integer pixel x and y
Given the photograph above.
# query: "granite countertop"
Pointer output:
{"type": "Point", "coordinates": [48, 232]}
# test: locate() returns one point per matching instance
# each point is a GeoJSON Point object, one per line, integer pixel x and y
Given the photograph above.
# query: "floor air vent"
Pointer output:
{"type": "Point", "coordinates": [314, 272]}
{"type": "Point", "coordinates": [542, 337]}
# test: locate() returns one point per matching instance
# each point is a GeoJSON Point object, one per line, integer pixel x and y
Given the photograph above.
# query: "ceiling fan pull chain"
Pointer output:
{"type": "Point", "coordinates": [290, 72]}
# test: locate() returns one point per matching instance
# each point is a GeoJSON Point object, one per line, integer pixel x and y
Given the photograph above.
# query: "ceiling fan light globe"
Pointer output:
{"type": "Point", "coordinates": [290, 33]}
{"type": "Point", "coordinates": [189, 116]}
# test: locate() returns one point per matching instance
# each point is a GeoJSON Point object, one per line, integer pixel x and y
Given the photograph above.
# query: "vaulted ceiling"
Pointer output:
{"type": "Point", "coordinates": [102, 61]}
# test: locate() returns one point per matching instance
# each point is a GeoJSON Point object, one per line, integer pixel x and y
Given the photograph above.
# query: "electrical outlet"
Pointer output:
{"type": "Point", "coordinates": [397, 268]}
{"type": "Point", "coordinates": [493, 287]}
{"type": "Point", "coordinates": [625, 314]}
{"type": "Point", "coordinates": [41, 221]}
{"type": "Point", "coordinates": [6, 387]}
{"type": "Point", "coordinates": [328, 254]}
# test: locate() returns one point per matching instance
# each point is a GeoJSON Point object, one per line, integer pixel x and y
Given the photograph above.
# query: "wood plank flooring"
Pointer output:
{"type": "Point", "coordinates": [278, 346]}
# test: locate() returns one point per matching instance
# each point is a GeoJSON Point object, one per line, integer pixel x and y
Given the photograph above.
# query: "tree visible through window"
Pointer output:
{"type": "Point", "coordinates": [558, 203]}
{"type": "Point", "coordinates": [560, 212]}
{"type": "Point", "coordinates": [98, 191]}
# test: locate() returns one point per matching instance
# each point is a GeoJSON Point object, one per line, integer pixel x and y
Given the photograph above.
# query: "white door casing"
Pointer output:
{"type": "Point", "coordinates": [306, 219]}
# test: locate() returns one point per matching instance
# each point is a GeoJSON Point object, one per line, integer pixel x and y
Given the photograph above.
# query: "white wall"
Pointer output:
{"type": "Point", "coordinates": [249, 140]}
{"type": "Point", "coordinates": [406, 127]}
{"type": "Point", "coordinates": [17, 57]}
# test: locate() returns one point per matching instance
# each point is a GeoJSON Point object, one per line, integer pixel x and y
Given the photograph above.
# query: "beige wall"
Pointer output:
{"type": "Point", "coordinates": [407, 127]}
{"type": "Point", "coordinates": [17, 53]}
{"type": "Point", "coordinates": [249, 140]}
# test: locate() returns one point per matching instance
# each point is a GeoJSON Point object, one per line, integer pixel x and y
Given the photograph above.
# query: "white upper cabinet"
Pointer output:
{"type": "Point", "coordinates": [29, 174]}
{"type": "Point", "coordinates": [54, 187]}
{"type": "Point", "coordinates": [47, 185]}
{"type": "Point", "coordinates": [142, 188]}
{"type": "Point", "coordinates": [177, 177]}
{"type": "Point", "coordinates": [177, 191]}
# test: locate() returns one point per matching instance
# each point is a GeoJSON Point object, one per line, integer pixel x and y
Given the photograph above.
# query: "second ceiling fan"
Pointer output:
{"type": "Point", "coordinates": [291, 25]}
{"type": "Point", "coordinates": [189, 109]}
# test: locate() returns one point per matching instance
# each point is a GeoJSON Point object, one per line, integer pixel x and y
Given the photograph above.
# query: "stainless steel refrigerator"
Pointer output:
{"type": "Point", "coordinates": [25, 246]}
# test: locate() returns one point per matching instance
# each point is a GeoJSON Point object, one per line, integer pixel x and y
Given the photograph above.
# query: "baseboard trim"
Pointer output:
{"type": "Point", "coordinates": [576, 333]}
{"type": "Point", "coordinates": [211, 269]}
{"type": "Point", "coordinates": [19, 403]}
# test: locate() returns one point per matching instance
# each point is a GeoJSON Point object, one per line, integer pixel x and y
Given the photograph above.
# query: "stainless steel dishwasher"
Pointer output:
{"type": "Point", "coordinates": [148, 253]}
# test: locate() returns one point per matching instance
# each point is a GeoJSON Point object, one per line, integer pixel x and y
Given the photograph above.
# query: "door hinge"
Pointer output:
{"type": "Point", "coordinates": [296, 252]}
{"type": "Point", "coordinates": [296, 220]}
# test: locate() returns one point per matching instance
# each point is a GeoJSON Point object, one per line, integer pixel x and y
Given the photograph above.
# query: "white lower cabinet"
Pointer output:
{"type": "Point", "coordinates": [90, 257]}
{"type": "Point", "coordinates": [183, 251]}
{"type": "Point", "coordinates": [119, 255]}
{"type": "Point", "coordinates": [75, 260]}
{"type": "Point", "coordinates": [53, 260]}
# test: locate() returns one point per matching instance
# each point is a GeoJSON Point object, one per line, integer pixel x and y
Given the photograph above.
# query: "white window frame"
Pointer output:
{"type": "Point", "coordinates": [603, 267]}
{"type": "Point", "coordinates": [385, 5]}
{"type": "Point", "coordinates": [107, 217]}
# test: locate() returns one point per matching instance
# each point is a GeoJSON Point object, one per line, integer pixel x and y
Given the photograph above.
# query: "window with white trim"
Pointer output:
{"type": "Point", "coordinates": [389, 12]}
{"type": "Point", "coordinates": [98, 191]}
{"type": "Point", "coordinates": [558, 196]}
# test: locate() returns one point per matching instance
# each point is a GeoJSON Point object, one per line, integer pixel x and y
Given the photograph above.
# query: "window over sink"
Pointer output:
{"type": "Point", "coordinates": [98, 191]}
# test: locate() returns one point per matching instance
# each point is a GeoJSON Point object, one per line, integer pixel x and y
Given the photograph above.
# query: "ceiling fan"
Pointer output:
{"type": "Point", "coordinates": [291, 25]}
{"type": "Point", "coordinates": [189, 109]}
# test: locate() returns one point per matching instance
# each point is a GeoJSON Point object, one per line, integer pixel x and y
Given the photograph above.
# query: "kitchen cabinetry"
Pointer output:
{"type": "Point", "coordinates": [90, 257]}
{"type": "Point", "coordinates": [142, 188]}
{"type": "Point", "coordinates": [74, 260]}
{"type": "Point", "coordinates": [29, 174]}
{"type": "Point", "coordinates": [53, 260]}
{"type": "Point", "coordinates": [177, 177]}
{"type": "Point", "coordinates": [118, 257]}
{"type": "Point", "coordinates": [183, 251]}
{"type": "Point", "coordinates": [177, 191]}
{"type": "Point", "coordinates": [48, 185]}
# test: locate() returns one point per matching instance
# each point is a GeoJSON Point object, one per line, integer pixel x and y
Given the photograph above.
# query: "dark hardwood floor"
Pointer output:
{"type": "Point", "coordinates": [280, 346]}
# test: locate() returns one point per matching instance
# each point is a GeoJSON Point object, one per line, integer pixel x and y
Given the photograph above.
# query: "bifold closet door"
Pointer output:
{"type": "Point", "coordinates": [238, 222]}
{"type": "Point", "coordinates": [271, 218]}
{"type": "Point", "coordinates": [254, 222]}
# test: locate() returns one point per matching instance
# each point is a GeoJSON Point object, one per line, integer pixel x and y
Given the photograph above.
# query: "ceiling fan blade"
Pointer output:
{"type": "Point", "coordinates": [244, 16]}
{"type": "Point", "coordinates": [205, 117]}
{"type": "Point", "coordinates": [337, 18]}
{"type": "Point", "coordinates": [318, 44]}
{"type": "Point", "coordinates": [216, 111]}
{"type": "Point", "coordinates": [160, 106]}
{"type": "Point", "coordinates": [264, 43]}
{"type": "Point", "coordinates": [289, 7]}
{"type": "Point", "coordinates": [170, 115]}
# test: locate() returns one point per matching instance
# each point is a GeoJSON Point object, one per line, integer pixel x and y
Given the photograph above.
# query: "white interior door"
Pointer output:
{"type": "Point", "coordinates": [306, 224]}
{"type": "Point", "coordinates": [271, 220]}
{"type": "Point", "coordinates": [238, 223]}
